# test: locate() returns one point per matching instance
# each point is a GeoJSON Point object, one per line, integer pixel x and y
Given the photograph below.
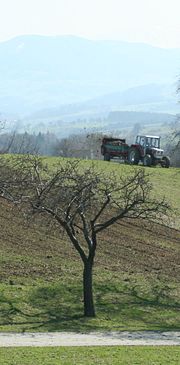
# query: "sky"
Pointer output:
{"type": "Point", "coordinates": [156, 22]}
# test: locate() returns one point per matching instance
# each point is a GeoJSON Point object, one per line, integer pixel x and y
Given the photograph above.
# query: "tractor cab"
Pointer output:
{"type": "Point", "coordinates": [148, 141]}
{"type": "Point", "coordinates": [147, 150]}
{"type": "Point", "coordinates": [150, 146]}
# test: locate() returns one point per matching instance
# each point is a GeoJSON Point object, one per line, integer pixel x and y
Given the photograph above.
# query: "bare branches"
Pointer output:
{"type": "Point", "coordinates": [101, 210]}
{"type": "Point", "coordinates": [81, 200]}
{"type": "Point", "coordinates": [81, 197]}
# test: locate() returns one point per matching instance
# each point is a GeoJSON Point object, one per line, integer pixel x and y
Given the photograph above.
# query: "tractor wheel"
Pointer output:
{"type": "Point", "coordinates": [147, 161]}
{"type": "Point", "coordinates": [133, 156]}
{"type": "Point", "coordinates": [107, 157]}
{"type": "Point", "coordinates": [166, 162]}
{"type": "Point", "coordinates": [154, 162]}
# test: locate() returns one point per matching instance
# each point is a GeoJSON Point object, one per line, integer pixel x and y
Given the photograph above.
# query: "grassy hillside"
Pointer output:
{"type": "Point", "coordinates": [165, 182]}
{"type": "Point", "coordinates": [136, 271]}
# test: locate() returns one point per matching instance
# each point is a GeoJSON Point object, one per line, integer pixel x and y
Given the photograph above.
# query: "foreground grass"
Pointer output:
{"type": "Point", "coordinates": [120, 305]}
{"type": "Point", "coordinates": [91, 355]}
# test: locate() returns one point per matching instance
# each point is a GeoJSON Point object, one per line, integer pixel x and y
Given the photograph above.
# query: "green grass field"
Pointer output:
{"type": "Point", "coordinates": [136, 272]}
{"type": "Point", "coordinates": [91, 356]}
{"type": "Point", "coordinates": [166, 182]}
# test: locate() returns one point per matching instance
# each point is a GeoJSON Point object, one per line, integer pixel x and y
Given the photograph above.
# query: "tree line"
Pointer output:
{"type": "Point", "coordinates": [84, 146]}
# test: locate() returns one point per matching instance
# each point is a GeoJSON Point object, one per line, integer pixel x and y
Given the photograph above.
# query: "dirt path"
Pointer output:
{"type": "Point", "coordinates": [144, 338]}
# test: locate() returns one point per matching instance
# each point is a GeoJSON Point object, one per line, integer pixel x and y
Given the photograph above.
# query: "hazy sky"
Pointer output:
{"type": "Point", "coordinates": [156, 22]}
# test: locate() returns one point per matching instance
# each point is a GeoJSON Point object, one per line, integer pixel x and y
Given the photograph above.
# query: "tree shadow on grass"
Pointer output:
{"type": "Point", "coordinates": [156, 308]}
{"type": "Point", "coordinates": [60, 308]}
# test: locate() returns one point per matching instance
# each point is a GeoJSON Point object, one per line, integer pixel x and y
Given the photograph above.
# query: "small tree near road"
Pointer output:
{"type": "Point", "coordinates": [84, 201]}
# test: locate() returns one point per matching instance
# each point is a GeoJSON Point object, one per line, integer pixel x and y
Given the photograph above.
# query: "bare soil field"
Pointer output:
{"type": "Point", "coordinates": [38, 250]}
{"type": "Point", "coordinates": [136, 277]}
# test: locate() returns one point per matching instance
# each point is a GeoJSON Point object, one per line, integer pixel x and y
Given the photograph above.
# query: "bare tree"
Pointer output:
{"type": "Point", "coordinates": [177, 126]}
{"type": "Point", "coordinates": [175, 138]}
{"type": "Point", "coordinates": [175, 149]}
{"type": "Point", "coordinates": [83, 201]}
{"type": "Point", "coordinates": [86, 146]}
{"type": "Point", "coordinates": [9, 140]}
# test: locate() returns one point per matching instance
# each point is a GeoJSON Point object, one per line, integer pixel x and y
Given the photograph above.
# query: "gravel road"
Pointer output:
{"type": "Point", "coordinates": [145, 338]}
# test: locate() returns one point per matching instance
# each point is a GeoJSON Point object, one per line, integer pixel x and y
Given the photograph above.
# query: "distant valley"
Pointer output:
{"type": "Point", "coordinates": [57, 80]}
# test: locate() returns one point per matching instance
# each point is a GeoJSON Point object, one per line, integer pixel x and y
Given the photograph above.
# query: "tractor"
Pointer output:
{"type": "Point", "coordinates": [147, 150]}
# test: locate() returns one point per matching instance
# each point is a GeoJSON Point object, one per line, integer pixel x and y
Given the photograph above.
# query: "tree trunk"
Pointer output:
{"type": "Point", "coordinates": [89, 310]}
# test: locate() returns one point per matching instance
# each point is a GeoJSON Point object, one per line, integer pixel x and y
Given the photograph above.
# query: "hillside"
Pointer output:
{"type": "Point", "coordinates": [136, 273]}
{"type": "Point", "coordinates": [147, 98]}
{"type": "Point", "coordinates": [73, 120]}
{"type": "Point", "coordinates": [39, 71]}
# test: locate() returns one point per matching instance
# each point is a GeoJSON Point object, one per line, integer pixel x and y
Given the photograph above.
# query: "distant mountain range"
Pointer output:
{"type": "Point", "coordinates": [59, 76]}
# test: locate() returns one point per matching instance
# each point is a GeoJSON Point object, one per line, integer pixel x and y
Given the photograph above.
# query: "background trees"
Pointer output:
{"type": "Point", "coordinates": [24, 143]}
{"type": "Point", "coordinates": [8, 142]}
{"type": "Point", "coordinates": [83, 145]}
